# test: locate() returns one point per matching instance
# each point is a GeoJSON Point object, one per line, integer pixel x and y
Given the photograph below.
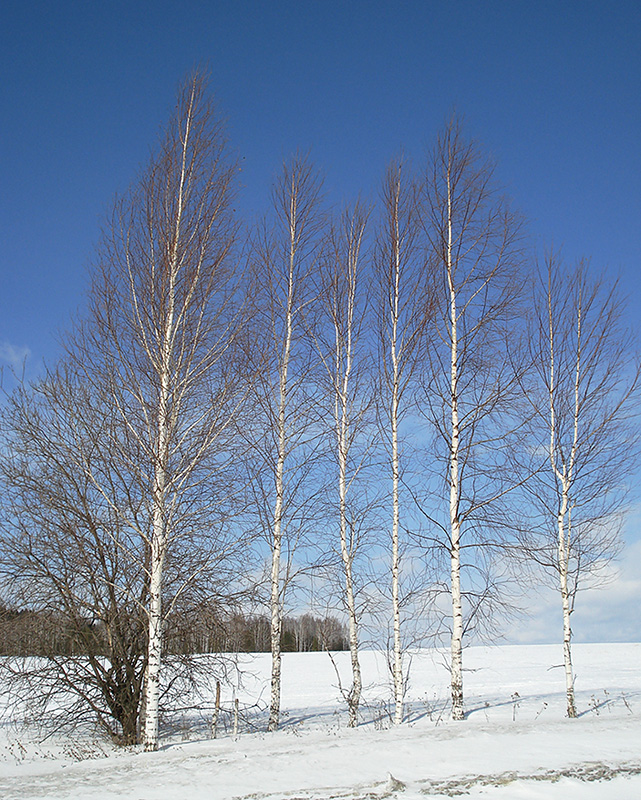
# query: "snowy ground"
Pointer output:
{"type": "Point", "coordinates": [514, 745]}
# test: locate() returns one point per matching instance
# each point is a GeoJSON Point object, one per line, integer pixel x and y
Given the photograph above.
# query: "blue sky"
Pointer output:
{"type": "Point", "coordinates": [551, 89]}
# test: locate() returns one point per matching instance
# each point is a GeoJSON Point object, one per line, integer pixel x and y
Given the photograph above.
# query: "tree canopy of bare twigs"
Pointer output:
{"type": "Point", "coordinates": [281, 435]}
{"type": "Point", "coordinates": [403, 289]}
{"type": "Point", "coordinates": [469, 384]}
{"type": "Point", "coordinates": [145, 403]}
{"type": "Point", "coordinates": [67, 552]}
{"type": "Point", "coordinates": [348, 400]}
{"type": "Point", "coordinates": [582, 436]}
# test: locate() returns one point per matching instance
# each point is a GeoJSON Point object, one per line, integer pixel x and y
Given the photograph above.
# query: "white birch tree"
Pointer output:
{"type": "Point", "coordinates": [474, 247]}
{"type": "Point", "coordinates": [284, 256]}
{"type": "Point", "coordinates": [159, 335]}
{"type": "Point", "coordinates": [404, 297]}
{"type": "Point", "coordinates": [340, 349]}
{"type": "Point", "coordinates": [587, 374]}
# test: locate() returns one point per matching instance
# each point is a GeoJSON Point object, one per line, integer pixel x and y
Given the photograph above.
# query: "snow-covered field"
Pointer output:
{"type": "Point", "coordinates": [515, 744]}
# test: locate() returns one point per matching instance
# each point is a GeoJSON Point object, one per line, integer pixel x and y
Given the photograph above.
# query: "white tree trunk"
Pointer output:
{"type": "Point", "coordinates": [277, 534]}
{"type": "Point", "coordinates": [158, 549]}
{"type": "Point", "coordinates": [160, 533]}
{"type": "Point", "coordinates": [397, 668]}
{"type": "Point", "coordinates": [455, 492]}
{"type": "Point", "coordinates": [564, 474]}
{"type": "Point", "coordinates": [354, 696]}
{"type": "Point", "coordinates": [397, 665]}
{"type": "Point", "coordinates": [455, 576]}
{"type": "Point", "coordinates": [567, 610]}
{"type": "Point", "coordinates": [276, 624]}
{"type": "Point", "coordinates": [343, 363]}
{"type": "Point", "coordinates": [457, 628]}
{"type": "Point", "coordinates": [154, 652]}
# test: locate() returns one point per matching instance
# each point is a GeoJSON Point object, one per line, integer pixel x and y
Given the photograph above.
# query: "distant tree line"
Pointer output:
{"type": "Point", "coordinates": [41, 633]}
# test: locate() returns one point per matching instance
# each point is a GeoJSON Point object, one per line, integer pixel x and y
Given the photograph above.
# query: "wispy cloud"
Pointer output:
{"type": "Point", "coordinates": [611, 613]}
{"type": "Point", "coordinates": [607, 612]}
{"type": "Point", "coordinates": [13, 355]}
